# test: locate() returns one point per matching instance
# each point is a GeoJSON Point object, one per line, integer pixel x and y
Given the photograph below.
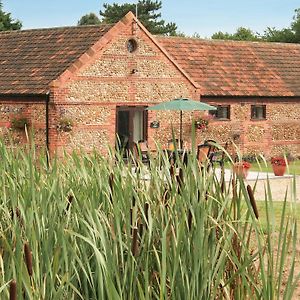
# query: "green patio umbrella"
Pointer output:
{"type": "Point", "coordinates": [182, 104]}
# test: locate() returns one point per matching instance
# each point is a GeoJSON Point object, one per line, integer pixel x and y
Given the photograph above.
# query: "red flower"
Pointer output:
{"type": "Point", "coordinates": [278, 161]}
{"type": "Point", "coordinates": [243, 164]}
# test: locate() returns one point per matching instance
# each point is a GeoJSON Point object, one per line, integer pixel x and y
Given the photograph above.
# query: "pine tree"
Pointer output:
{"type": "Point", "coordinates": [6, 21]}
{"type": "Point", "coordinates": [147, 13]}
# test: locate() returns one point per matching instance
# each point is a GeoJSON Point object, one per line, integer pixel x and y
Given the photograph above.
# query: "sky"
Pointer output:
{"type": "Point", "coordinates": [204, 17]}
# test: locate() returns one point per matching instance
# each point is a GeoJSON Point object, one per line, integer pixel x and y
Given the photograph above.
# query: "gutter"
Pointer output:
{"type": "Point", "coordinates": [47, 122]}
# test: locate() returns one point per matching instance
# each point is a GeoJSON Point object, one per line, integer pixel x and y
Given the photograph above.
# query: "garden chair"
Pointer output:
{"type": "Point", "coordinates": [209, 152]}
{"type": "Point", "coordinates": [141, 152]}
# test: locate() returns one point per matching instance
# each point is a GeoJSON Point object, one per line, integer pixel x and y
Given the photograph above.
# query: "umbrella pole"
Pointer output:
{"type": "Point", "coordinates": [180, 141]}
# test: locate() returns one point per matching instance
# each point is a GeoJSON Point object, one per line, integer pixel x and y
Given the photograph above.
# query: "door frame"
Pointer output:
{"type": "Point", "coordinates": [132, 109]}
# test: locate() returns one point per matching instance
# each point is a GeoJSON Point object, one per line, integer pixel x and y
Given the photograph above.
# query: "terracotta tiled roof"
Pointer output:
{"type": "Point", "coordinates": [234, 68]}
{"type": "Point", "coordinates": [31, 59]}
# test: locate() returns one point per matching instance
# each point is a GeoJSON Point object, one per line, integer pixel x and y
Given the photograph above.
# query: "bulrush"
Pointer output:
{"type": "Point", "coordinates": [172, 170]}
{"type": "Point", "coordinates": [18, 215]}
{"type": "Point", "coordinates": [133, 200]}
{"type": "Point", "coordinates": [134, 245]}
{"type": "Point", "coordinates": [70, 200]}
{"type": "Point", "coordinates": [223, 186]}
{"type": "Point", "coordinates": [146, 208]}
{"type": "Point", "coordinates": [234, 189]}
{"type": "Point", "coordinates": [190, 219]}
{"type": "Point", "coordinates": [141, 227]}
{"type": "Point", "coordinates": [111, 186]}
{"type": "Point", "coordinates": [28, 258]}
{"type": "Point", "coordinates": [252, 200]}
{"type": "Point", "coordinates": [13, 290]}
{"type": "Point", "coordinates": [179, 180]}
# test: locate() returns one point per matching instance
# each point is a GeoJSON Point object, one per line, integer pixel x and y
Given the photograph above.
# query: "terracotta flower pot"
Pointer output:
{"type": "Point", "coordinates": [278, 170]}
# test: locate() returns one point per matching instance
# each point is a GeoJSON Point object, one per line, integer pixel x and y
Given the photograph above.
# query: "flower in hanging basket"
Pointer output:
{"type": "Point", "coordinates": [19, 123]}
{"type": "Point", "coordinates": [243, 164]}
{"type": "Point", "coordinates": [202, 123]}
{"type": "Point", "coordinates": [278, 161]}
{"type": "Point", "coordinates": [65, 125]}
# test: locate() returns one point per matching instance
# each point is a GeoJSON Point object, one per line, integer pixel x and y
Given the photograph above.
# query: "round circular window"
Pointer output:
{"type": "Point", "coordinates": [132, 45]}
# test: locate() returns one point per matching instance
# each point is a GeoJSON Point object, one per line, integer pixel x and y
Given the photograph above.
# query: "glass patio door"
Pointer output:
{"type": "Point", "coordinates": [131, 126]}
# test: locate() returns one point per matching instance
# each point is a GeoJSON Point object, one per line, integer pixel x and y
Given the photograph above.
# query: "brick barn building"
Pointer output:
{"type": "Point", "coordinates": [101, 79]}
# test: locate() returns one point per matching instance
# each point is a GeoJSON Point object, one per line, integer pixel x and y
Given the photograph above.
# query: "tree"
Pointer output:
{"type": "Point", "coordinates": [147, 14]}
{"type": "Point", "coordinates": [271, 34]}
{"type": "Point", "coordinates": [242, 34]}
{"type": "Point", "coordinates": [296, 25]}
{"type": "Point", "coordinates": [6, 21]}
{"type": "Point", "coordinates": [89, 19]}
{"type": "Point", "coordinates": [285, 35]}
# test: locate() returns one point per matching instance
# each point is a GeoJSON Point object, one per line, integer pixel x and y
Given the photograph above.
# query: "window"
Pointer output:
{"type": "Point", "coordinates": [258, 112]}
{"type": "Point", "coordinates": [222, 112]}
{"type": "Point", "coordinates": [132, 45]}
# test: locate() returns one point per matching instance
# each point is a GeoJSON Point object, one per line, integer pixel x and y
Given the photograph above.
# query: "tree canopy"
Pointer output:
{"type": "Point", "coordinates": [147, 13]}
{"type": "Point", "coordinates": [89, 19]}
{"type": "Point", "coordinates": [242, 34]}
{"type": "Point", "coordinates": [7, 22]}
{"type": "Point", "coordinates": [271, 34]}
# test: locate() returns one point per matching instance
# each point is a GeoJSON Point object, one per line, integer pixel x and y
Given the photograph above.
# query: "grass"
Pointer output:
{"type": "Point", "coordinates": [277, 209]}
{"type": "Point", "coordinates": [87, 227]}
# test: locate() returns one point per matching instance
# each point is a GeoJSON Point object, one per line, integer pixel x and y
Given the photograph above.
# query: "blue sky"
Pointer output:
{"type": "Point", "coordinates": [202, 16]}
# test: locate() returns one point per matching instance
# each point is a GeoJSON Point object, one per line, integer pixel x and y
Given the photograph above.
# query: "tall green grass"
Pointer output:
{"type": "Point", "coordinates": [89, 227]}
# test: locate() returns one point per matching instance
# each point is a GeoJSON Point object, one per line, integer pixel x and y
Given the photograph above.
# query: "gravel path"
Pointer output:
{"type": "Point", "coordinates": [279, 187]}
{"type": "Point", "coordinates": [278, 184]}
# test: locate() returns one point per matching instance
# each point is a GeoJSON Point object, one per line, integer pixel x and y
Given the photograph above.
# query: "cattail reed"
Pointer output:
{"type": "Point", "coordinates": [131, 217]}
{"type": "Point", "coordinates": [180, 179]}
{"type": "Point", "coordinates": [172, 170]}
{"type": "Point", "coordinates": [234, 189]}
{"type": "Point", "coordinates": [28, 258]}
{"type": "Point", "coordinates": [141, 228]}
{"type": "Point", "coordinates": [190, 219]}
{"type": "Point", "coordinates": [222, 178]}
{"type": "Point", "coordinates": [134, 245]}
{"type": "Point", "coordinates": [133, 200]}
{"type": "Point", "coordinates": [13, 290]}
{"type": "Point", "coordinates": [70, 200]}
{"type": "Point", "coordinates": [146, 210]}
{"type": "Point", "coordinates": [252, 200]}
{"type": "Point", "coordinates": [111, 186]}
{"type": "Point", "coordinates": [17, 212]}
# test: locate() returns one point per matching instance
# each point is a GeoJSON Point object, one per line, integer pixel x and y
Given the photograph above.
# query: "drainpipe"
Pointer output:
{"type": "Point", "coordinates": [47, 124]}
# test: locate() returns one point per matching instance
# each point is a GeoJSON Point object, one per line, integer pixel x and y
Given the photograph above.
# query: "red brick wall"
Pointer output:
{"type": "Point", "coordinates": [105, 80]}
{"type": "Point", "coordinates": [29, 107]}
{"type": "Point", "coordinates": [278, 134]}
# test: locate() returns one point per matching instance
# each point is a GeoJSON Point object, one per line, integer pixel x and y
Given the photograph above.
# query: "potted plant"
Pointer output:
{"type": "Point", "coordinates": [278, 165]}
{"type": "Point", "coordinates": [241, 168]}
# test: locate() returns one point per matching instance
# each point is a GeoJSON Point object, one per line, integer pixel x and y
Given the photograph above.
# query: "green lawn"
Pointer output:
{"type": "Point", "coordinates": [291, 208]}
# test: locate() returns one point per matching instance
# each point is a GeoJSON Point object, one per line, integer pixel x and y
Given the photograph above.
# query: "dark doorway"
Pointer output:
{"type": "Point", "coordinates": [131, 126]}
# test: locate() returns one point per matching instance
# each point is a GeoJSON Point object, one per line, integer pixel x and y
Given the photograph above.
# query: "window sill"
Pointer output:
{"type": "Point", "coordinates": [221, 119]}
{"type": "Point", "coordinates": [255, 120]}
